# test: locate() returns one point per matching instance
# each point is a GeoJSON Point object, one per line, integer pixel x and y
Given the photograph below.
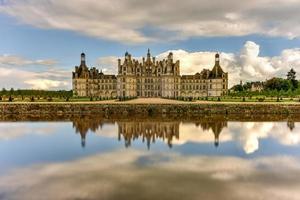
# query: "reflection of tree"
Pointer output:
{"type": "Point", "coordinates": [291, 125]}
{"type": "Point", "coordinates": [147, 130]}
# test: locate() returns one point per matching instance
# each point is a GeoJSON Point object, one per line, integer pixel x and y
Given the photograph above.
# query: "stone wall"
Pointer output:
{"type": "Point", "coordinates": [147, 109]}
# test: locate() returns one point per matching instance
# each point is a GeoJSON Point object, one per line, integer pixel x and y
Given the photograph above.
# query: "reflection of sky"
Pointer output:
{"type": "Point", "coordinates": [26, 143]}
{"type": "Point", "coordinates": [35, 157]}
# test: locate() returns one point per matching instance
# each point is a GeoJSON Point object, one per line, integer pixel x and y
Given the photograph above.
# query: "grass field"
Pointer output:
{"type": "Point", "coordinates": [226, 99]}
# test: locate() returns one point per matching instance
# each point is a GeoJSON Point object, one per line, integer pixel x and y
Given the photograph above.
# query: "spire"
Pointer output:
{"type": "Point", "coordinates": [148, 56]}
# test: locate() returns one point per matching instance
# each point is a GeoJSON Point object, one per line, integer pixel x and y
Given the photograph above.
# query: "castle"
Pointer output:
{"type": "Point", "coordinates": [149, 78]}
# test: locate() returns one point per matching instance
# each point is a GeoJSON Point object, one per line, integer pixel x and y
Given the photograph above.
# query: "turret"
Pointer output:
{"type": "Point", "coordinates": [83, 59]}
{"type": "Point", "coordinates": [126, 56]}
{"type": "Point", "coordinates": [119, 62]}
{"type": "Point", "coordinates": [217, 59]}
{"type": "Point", "coordinates": [170, 57]}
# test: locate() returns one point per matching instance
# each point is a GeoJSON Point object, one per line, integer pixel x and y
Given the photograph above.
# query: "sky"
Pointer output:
{"type": "Point", "coordinates": [41, 40]}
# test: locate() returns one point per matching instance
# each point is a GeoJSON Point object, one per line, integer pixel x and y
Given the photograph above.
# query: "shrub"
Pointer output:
{"type": "Point", "coordinates": [150, 111]}
{"type": "Point", "coordinates": [244, 99]}
{"type": "Point", "coordinates": [219, 99]}
{"type": "Point", "coordinates": [32, 99]}
{"type": "Point", "coordinates": [10, 99]}
{"type": "Point", "coordinates": [261, 99]}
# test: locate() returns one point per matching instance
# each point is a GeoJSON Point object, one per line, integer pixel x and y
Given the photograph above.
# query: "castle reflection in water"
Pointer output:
{"type": "Point", "coordinates": [149, 131]}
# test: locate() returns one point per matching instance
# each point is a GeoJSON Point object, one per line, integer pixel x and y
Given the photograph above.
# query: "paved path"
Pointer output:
{"type": "Point", "coordinates": [149, 101]}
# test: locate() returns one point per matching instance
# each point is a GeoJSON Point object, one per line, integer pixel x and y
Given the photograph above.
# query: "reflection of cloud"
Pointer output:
{"type": "Point", "coordinates": [191, 133]}
{"type": "Point", "coordinates": [249, 133]}
{"type": "Point", "coordinates": [123, 173]}
{"type": "Point", "coordinates": [14, 130]}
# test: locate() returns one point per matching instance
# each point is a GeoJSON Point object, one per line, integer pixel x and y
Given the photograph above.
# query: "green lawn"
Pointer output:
{"type": "Point", "coordinates": [215, 99]}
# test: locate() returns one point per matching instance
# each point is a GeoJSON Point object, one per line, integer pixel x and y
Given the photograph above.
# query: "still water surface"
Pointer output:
{"type": "Point", "coordinates": [94, 158]}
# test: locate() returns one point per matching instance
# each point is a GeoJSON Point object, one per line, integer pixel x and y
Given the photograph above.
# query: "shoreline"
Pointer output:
{"type": "Point", "coordinates": [148, 108]}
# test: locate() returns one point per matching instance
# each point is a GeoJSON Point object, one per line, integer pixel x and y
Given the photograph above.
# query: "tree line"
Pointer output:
{"type": "Point", "coordinates": [23, 93]}
{"type": "Point", "coordinates": [275, 86]}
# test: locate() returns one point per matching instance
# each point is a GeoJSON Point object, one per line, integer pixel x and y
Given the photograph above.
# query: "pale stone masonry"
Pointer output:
{"type": "Point", "coordinates": [149, 78]}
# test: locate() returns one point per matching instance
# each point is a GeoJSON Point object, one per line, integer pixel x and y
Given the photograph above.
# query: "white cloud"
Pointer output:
{"type": "Point", "coordinates": [45, 84]}
{"type": "Point", "coordinates": [129, 21]}
{"type": "Point", "coordinates": [246, 65]}
{"type": "Point", "coordinates": [12, 60]}
{"type": "Point", "coordinates": [20, 72]}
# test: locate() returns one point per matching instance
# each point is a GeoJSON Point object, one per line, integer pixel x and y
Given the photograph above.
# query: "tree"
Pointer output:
{"type": "Point", "coordinates": [11, 92]}
{"type": "Point", "coordinates": [291, 76]}
{"type": "Point", "coordinates": [238, 88]}
{"type": "Point", "coordinates": [3, 92]}
{"type": "Point", "coordinates": [277, 84]}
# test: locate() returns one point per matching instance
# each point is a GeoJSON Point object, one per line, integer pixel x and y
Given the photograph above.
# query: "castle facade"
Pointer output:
{"type": "Point", "coordinates": [149, 78]}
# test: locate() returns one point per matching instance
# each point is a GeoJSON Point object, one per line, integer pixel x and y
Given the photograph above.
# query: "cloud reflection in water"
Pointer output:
{"type": "Point", "coordinates": [118, 174]}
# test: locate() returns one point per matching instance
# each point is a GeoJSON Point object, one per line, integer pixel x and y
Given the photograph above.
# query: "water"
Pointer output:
{"type": "Point", "coordinates": [150, 158]}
